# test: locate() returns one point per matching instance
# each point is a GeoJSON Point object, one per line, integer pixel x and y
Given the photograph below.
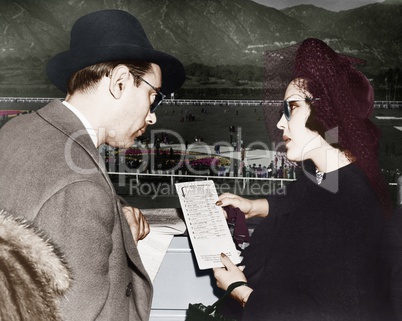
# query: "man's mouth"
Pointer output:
{"type": "Point", "coordinates": [141, 131]}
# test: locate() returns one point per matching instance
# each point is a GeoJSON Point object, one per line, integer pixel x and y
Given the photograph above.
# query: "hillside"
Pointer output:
{"type": "Point", "coordinates": [206, 32]}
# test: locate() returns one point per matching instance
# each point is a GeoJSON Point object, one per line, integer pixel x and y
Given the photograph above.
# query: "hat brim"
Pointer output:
{"type": "Point", "coordinates": [61, 67]}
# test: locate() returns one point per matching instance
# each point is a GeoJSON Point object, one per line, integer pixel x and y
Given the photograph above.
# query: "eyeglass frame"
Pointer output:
{"type": "Point", "coordinates": [159, 94]}
{"type": "Point", "coordinates": [286, 107]}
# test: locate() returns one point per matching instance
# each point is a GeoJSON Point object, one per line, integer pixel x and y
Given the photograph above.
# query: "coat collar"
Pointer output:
{"type": "Point", "coordinates": [63, 119]}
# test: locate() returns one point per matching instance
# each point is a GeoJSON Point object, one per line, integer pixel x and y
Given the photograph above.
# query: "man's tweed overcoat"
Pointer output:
{"type": "Point", "coordinates": [52, 174]}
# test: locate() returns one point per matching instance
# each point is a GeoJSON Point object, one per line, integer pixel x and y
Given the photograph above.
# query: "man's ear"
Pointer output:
{"type": "Point", "coordinates": [119, 77]}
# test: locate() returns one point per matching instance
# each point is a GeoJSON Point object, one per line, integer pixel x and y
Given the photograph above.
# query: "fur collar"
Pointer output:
{"type": "Point", "coordinates": [33, 272]}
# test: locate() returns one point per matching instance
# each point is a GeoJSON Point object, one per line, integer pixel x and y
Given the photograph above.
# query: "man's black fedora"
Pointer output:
{"type": "Point", "coordinates": [111, 35]}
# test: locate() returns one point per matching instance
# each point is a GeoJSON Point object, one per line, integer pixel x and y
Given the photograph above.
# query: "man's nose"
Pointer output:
{"type": "Point", "coordinates": [151, 118]}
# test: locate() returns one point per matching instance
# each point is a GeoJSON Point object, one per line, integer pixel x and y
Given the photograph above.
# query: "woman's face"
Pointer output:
{"type": "Point", "coordinates": [301, 142]}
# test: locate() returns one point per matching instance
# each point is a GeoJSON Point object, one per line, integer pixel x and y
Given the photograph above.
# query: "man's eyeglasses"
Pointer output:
{"type": "Point", "coordinates": [159, 95]}
{"type": "Point", "coordinates": [287, 105]}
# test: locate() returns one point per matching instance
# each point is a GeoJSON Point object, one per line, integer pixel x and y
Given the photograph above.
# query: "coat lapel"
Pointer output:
{"type": "Point", "coordinates": [64, 120]}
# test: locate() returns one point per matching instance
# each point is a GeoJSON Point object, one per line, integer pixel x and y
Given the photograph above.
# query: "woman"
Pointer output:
{"type": "Point", "coordinates": [314, 255]}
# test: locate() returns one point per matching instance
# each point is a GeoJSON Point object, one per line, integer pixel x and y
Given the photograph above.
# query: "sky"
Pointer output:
{"type": "Point", "coordinates": [332, 5]}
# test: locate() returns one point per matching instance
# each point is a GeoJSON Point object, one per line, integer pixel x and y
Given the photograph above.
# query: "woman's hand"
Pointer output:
{"type": "Point", "coordinates": [231, 273]}
{"type": "Point", "coordinates": [250, 208]}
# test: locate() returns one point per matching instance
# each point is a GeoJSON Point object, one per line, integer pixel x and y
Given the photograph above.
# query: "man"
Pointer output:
{"type": "Point", "coordinates": [53, 175]}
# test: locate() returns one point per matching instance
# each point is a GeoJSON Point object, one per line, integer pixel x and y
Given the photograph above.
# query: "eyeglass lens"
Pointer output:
{"type": "Point", "coordinates": [287, 110]}
{"type": "Point", "coordinates": [159, 95]}
{"type": "Point", "coordinates": [157, 102]}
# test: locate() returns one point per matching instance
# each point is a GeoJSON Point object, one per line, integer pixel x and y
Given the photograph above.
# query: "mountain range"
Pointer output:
{"type": "Point", "coordinates": [207, 32]}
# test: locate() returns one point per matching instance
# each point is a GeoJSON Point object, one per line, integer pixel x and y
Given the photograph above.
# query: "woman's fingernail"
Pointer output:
{"type": "Point", "coordinates": [223, 255]}
{"type": "Point", "coordinates": [218, 203]}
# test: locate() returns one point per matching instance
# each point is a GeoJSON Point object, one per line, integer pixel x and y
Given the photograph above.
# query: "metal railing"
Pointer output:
{"type": "Point", "coordinates": [173, 177]}
{"type": "Point", "coordinates": [209, 102]}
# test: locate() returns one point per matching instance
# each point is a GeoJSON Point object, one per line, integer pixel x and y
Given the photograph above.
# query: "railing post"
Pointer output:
{"type": "Point", "coordinates": [399, 188]}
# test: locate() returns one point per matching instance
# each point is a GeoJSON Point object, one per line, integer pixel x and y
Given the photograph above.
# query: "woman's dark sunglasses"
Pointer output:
{"type": "Point", "coordinates": [159, 95]}
{"type": "Point", "coordinates": [287, 109]}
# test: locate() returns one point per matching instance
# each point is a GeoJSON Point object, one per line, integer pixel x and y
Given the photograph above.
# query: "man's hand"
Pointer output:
{"type": "Point", "coordinates": [138, 224]}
